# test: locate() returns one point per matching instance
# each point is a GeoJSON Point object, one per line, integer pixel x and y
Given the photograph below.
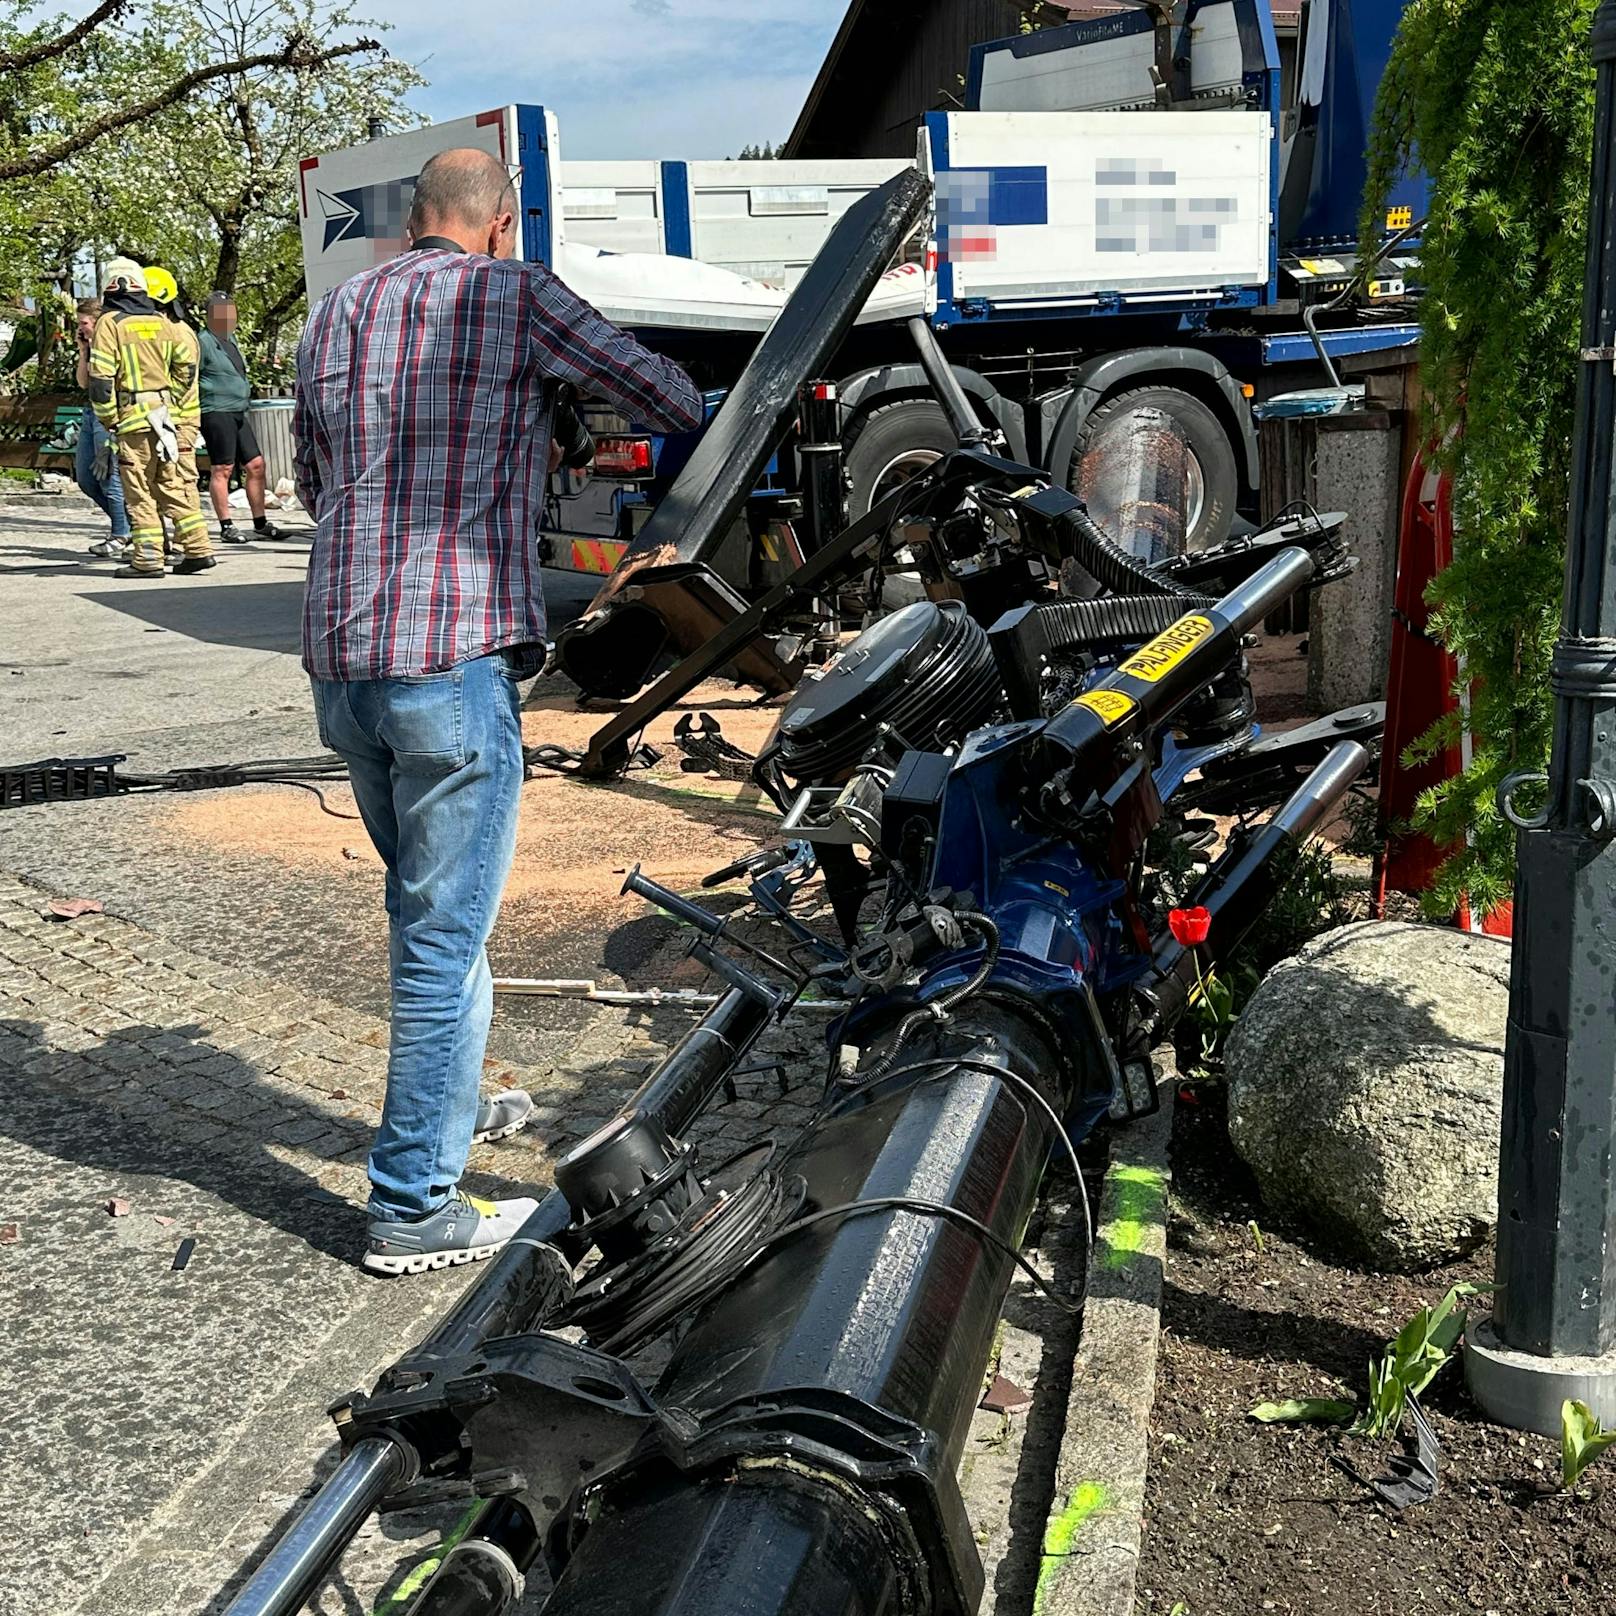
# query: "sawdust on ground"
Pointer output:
{"type": "Point", "coordinates": [575, 840]}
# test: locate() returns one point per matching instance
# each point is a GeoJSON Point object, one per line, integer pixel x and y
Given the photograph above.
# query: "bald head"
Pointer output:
{"type": "Point", "coordinates": [466, 195]}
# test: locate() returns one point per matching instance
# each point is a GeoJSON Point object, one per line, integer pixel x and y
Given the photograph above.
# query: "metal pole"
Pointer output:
{"type": "Point", "coordinates": [824, 494]}
{"type": "Point", "coordinates": [282, 1585]}
{"type": "Point", "coordinates": [1553, 1331]}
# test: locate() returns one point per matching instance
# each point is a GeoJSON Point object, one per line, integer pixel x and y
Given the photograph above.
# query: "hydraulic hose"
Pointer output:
{"type": "Point", "coordinates": [1083, 742]}
{"type": "Point", "coordinates": [1117, 572]}
{"type": "Point", "coordinates": [938, 1009]}
{"type": "Point", "coordinates": [1024, 640]}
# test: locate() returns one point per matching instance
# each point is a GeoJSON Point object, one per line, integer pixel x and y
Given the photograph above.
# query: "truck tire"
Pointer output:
{"type": "Point", "coordinates": [1215, 477]}
{"type": "Point", "coordinates": [889, 445]}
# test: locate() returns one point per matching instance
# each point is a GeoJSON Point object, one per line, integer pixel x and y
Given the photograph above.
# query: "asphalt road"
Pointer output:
{"type": "Point", "coordinates": [93, 663]}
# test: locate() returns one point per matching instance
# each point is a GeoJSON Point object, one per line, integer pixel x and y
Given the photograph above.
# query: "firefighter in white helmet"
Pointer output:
{"type": "Point", "coordinates": [143, 388]}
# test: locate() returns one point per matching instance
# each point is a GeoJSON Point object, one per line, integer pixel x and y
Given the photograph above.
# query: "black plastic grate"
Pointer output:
{"type": "Point", "coordinates": [60, 780]}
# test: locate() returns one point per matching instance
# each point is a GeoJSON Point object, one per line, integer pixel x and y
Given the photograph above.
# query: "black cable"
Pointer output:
{"type": "Point", "coordinates": [941, 1064]}
{"type": "Point", "coordinates": [631, 1302]}
{"type": "Point", "coordinates": [940, 1008]}
{"type": "Point", "coordinates": [835, 1032]}
{"type": "Point", "coordinates": [887, 1203]}
{"type": "Point", "coordinates": [565, 761]}
{"type": "Point", "coordinates": [306, 785]}
{"type": "Point", "coordinates": [1302, 507]}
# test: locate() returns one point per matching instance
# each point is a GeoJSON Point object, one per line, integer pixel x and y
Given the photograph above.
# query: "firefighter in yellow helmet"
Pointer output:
{"type": "Point", "coordinates": [186, 412]}
{"type": "Point", "coordinates": [143, 388]}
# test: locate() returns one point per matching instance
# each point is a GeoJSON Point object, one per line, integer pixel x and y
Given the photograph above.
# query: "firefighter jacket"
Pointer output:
{"type": "Point", "coordinates": [139, 359]}
{"type": "Point", "coordinates": [186, 409]}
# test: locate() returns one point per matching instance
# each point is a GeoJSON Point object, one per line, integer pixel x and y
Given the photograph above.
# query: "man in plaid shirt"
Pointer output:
{"type": "Point", "coordinates": [425, 389]}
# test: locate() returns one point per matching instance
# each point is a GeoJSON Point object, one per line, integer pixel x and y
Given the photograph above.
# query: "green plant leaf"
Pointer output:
{"type": "Point", "coordinates": [1384, 1413]}
{"type": "Point", "coordinates": [1582, 1440]}
{"type": "Point", "coordinates": [1327, 1410]}
{"type": "Point", "coordinates": [1412, 1361]}
{"type": "Point", "coordinates": [1494, 102]}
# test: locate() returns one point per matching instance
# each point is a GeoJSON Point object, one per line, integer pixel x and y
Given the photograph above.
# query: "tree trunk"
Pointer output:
{"type": "Point", "coordinates": [228, 266]}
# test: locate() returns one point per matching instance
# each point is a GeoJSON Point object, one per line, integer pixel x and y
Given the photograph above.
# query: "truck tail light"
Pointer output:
{"type": "Point", "coordinates": [623, 457]}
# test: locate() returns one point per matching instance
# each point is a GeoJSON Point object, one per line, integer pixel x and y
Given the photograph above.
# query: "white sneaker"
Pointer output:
{"type": "Point", "coordinates": [465, 1229]}
{"type": "Point", "coordinates": [500, 1117]}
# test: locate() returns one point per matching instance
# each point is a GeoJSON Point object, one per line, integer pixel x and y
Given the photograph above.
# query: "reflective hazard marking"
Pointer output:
{"type": "Point", "coordinates": [596, 555]}
{"type": "Point", "coordinates": [1169, 648]}
{"type": "Point", "coordinates": [1109, 706]}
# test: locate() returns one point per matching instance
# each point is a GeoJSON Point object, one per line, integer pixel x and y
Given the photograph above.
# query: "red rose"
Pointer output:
{"type": "Point", "coordinates": [1190, 926]}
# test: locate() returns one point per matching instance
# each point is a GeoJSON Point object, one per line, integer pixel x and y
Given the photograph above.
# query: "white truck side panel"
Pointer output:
{"type": "Point", "coordinates": [1037, 208]}
{"type": "Point", "coordinates": [352, 204]}
{"type": "Point", "coordinates": [769, 219]}
{"type": "Point", "coordinates": [616, 206]}
{"type": "Point", "coordinates": [763, 220]}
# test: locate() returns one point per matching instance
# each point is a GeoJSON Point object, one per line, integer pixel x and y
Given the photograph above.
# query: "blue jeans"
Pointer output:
{"type": "Point", "coordinates": [436, 766]}
{"type": "Point", "coordinates": [109, 494]}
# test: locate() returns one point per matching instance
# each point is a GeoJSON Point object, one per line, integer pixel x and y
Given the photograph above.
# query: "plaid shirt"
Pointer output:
{"type": "Point", "coordinates": [422, 433]}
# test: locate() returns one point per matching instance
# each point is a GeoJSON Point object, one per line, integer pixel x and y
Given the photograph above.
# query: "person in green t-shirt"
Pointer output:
{"type": "Point", "coordinates": [225, 427]}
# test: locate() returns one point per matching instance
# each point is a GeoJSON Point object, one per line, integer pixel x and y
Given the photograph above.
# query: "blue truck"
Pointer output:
{"type": "Point", "coordinates": [1129, 214]}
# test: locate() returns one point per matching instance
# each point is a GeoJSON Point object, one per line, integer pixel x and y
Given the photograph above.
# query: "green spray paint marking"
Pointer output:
{"type": "Point", "coordinates": [416, 1580]}
{"type": "Point", "coordinates": [1087, 1497]}
{"type": "Point", "coordinates": [1140, 1192]}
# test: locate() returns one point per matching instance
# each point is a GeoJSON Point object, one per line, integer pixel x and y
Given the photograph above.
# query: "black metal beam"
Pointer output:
{"type": "Point", "coordinates": [613, 647]}
{"type": "Point", "coordinates": [866, 1330]}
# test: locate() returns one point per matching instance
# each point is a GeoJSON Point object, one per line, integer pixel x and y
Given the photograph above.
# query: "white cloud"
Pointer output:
{"type": "Point", "coordinates": [627, 78]}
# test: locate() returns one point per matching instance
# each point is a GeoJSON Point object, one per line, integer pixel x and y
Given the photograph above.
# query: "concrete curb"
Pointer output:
{"type": "Point", "coordinates": [1092, 1539]}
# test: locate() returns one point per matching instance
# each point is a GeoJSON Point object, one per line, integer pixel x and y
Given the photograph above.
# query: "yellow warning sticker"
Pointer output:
{"type": "Point", "coordinates": [1399, 218]}
{"type": "Point", "coordinates": [1109, 706]}
{"type": "Point", "coordinates": [1169, 648]}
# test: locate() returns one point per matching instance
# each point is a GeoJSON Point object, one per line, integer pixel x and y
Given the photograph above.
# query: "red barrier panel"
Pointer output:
{"type": "Point", "coordinates": [1421, 686]}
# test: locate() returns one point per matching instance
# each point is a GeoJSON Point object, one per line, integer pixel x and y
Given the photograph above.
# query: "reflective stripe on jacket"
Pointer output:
{"type": "Point", "coordinates": [134, 353]}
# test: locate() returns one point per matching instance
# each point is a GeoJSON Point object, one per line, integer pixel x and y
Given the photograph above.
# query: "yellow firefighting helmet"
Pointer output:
{"type": "Point", "coordinates": [161, 287]}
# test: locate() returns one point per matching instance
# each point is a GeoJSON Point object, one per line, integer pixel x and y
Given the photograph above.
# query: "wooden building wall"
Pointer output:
{"type": "Point", "coordinates": [901, 60]}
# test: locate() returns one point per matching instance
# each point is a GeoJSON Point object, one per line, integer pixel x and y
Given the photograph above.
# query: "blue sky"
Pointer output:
{"type": "Point", "coordinates": [628, 78]}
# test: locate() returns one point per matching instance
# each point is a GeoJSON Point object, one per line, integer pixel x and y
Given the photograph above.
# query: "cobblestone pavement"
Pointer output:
{"type": "Point", "coordinates": [176, 1416]}
{"type": "Point", "coordinates": [194, 1100]}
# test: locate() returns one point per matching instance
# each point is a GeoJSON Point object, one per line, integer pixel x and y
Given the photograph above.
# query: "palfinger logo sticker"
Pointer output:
{"type": "Point", "coordinates": [1169, 648]}
{"type": "Point", "coordinates": [1109, 706]}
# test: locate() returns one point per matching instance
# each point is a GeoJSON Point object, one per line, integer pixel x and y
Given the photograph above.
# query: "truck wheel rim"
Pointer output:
{"type": "Point", "coordinates": [900, 469]}
{"type": "Point", "coordinates": [1195, 503]}
{"type": "Point", "coordinates": [1195, 481]}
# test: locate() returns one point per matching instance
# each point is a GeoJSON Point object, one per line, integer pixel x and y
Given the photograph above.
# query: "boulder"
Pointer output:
{"type": "Point", "coordinates": [1365, 1089]}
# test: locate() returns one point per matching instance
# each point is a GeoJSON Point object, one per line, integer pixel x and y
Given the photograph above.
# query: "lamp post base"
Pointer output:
{"type": "Point", "coordinates": [1525, 1391]}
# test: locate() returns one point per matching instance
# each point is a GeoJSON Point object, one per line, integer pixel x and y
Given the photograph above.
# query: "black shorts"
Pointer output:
{"type": "Point", "coordinates": [229, 439]}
